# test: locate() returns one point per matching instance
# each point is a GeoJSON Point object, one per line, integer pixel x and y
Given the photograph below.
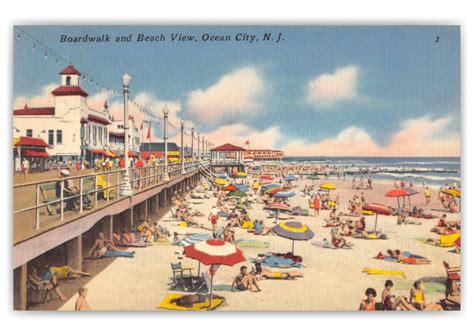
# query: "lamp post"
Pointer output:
{"type": "Point", "coordinates": [182, 148]}
{"type": "Point", "coordinates": [166, 176]}
{"type": "Point", "coordinates": [199, 142]}
{"type": "Point", "coordinates": [192, 144]}
{"type": "Point", "coordinates": [126, 188]}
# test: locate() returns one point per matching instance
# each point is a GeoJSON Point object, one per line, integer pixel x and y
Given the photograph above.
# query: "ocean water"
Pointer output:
{"type": "Point", "coordinates": [420, 165]}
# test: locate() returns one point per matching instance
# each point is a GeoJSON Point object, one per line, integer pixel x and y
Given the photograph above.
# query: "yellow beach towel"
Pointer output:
{"type": "Point", "coordinates": [367, 213]}
{"type": "Point", "coordinates": [380, 271]}
{"type": "Point", "coordinates": [166, 303]}
{"type": "Point", "coordinates": [448, 240]}
{"type": "Point", "coordinates": [183, 224]}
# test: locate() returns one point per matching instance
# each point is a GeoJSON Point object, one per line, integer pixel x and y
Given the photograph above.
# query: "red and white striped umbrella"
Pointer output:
{"type": "Point", "coordinates": [213, 251]}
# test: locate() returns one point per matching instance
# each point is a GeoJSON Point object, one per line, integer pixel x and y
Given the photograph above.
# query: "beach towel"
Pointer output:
{"type": "Point", "coordinates": [448, 240]}
{"type": "Point", "coordinates": [373, 236]}
{"type": "Point", "coordinates": [380, 271]}
{"type": "Point", "coordinates": [193, 239]}
{"type": "Point", "coordinates": [413, 223]}
{"type": "Point", "coordinates": [166, 303]}
{"type": "Point", "coordinates": [368, 213]}
{"type": "Point", "coordinates": [252, 243]}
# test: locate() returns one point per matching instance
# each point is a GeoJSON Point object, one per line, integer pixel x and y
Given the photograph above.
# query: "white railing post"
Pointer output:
{"type": "Point", "coordinates": [107, 186]}
{"type": "Point", "coordinates": [61, 198]}
{"type": "Point", "coordinates": [37, 226]}
{"type": "Point", "coordinates": [81, 190]}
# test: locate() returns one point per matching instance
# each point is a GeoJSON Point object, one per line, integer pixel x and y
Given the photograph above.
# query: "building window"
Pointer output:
{"type": "Point", "coordinates": [59, 137]}
{"type": "Point", "coordinates": [51, 137]}
{"type": "Point", "coordinates": [29, 133]}
{"type": "Point", "coordinates": [100, 134]}
{"type": "Point", "coordinates": [68, 80]}
{"type": "Point", "coordinates": [94, 134]}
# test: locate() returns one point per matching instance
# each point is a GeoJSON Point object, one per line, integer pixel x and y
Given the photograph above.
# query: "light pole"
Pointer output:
{"type": "Point", "coordinates": [199, 142]}
{"type": "Point", "coordinates": [182, 147]}
{"type": "Point", "coordinates": [126, 188]}
{"type": "Point", "coordinates": [166, 176]}
{"type": "Point", "coordinates": [192, 144]}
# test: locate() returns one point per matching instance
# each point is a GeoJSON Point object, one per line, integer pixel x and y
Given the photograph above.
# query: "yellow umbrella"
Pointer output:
{"type": "Point", "coordinates": [219, 181]}
{"type": "Point", "coordinates": [453, 192]}
{"type": "Point", "coordinates": [328, 186]}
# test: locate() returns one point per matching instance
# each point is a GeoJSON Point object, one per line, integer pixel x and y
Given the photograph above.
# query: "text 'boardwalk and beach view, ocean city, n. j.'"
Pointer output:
{"type": "Point", "coordinates": [236, 168]}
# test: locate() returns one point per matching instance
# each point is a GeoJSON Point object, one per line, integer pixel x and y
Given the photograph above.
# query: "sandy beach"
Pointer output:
{"type": "Point", "coordinates": [332, 278]}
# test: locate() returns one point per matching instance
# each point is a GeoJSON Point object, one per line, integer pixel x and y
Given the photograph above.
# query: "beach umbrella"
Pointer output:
{"type": "Point", "coordinates": [293, 231]}
{"type": "Point", "coordinates": [290, 178]}
{"type": "Point", "coordinates": [313, 177]}
{"type": "Point", "coordinates": [266, 177]}
{"type": "Point", "coordinates": [193, 239]}
{"type": "Point", "coordinates": [242, 187]}
{"type": "Point", "coordinates": [410, 192]}
{"type": "Point", "coordinates": [272, 191]}
{"type": "Point", "coordinates": [219, 181]}
{"type": "Point", "coordinates": [237, 194]}
{"type": "Point", "coordinates": [284, 194]}
{"type": "Point", "coordinates": [452, 192]}
{"type": "Point", "coordinates": [397, 193]}
{"type": "Point", "coordinates": [229, 187]}
{"type": "Point", "coordinates": [214, 252]}
{"type": "Point", "coordinates": [378, 209]}
{"type": "Point", "coordinates": [271, 185]}
{"type": "Point", "coordinates": [277, 207]}
{"type": "Point", "coordinates": [327, 186]}
{"type": "Point", "coordinates": [221, 175]}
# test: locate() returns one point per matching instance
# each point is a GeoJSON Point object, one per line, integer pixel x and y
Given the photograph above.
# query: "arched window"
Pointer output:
{"type": "Point", "coordinates": [68, 80]}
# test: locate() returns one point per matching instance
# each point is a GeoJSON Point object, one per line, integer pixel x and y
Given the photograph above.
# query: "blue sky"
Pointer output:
{"type": "Point", "coordinates": [320, 89]}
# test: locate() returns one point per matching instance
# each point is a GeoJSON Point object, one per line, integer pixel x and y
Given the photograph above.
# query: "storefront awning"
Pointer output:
{"type": "Point", "coordinates": [34, 153]}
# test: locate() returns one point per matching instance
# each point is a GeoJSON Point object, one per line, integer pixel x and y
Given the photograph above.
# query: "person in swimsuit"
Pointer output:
{"type": "Point", "coordinates": [369, 303]}
{"type": "Point", "coordinates": [81, 303]}
{"type": "Point", "coordinates": [37, 282]}
{"type": "Point", "coordinates": [417, 296]}
{"type": "Point", "coordinates": [389, 301]}
{"type": "Point", "coordinates": [244, 281]}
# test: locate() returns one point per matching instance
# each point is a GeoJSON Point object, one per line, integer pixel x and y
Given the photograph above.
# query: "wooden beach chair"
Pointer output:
{"type": "Point", "coordinates": [48, 192]}
{"type": "Point", "coordinates": [453, 273]}
{"type": "Point", "coordinates": [180, 275]}
{"type": "Point", "coordinates": [38, 296]}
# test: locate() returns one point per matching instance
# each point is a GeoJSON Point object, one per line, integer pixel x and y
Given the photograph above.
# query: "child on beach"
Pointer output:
{"type": "Point", "coordinates": [81, 303]}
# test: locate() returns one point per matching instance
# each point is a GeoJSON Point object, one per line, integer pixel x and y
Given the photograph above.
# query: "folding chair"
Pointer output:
{"type": "Point", "coordinates": [179, 276]}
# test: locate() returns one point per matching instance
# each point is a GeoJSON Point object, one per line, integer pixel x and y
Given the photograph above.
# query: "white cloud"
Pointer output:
{"type": "Point", "coordinates": [43, 99]}
{"type": "Point", "coordinates": [423, 136]}
{"type": "Point", "coordinates": [327, 89]}
{"type": "Point", "coordinates": [234, 94]}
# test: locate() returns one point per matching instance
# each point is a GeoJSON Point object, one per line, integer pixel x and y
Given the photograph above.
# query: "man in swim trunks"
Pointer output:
{"type": "Point", "coordinates": [244, 281]}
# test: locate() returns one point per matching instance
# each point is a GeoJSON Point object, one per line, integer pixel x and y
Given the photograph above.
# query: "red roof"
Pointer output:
{"type": "Point", "coordinates": [69, 91]}
{"type": "Point", "coordinates": [34, 153]}
{"type": "Point", "coordinates": [146, 155]}
{"type": "Point", "coordinates": [70, 70]}
{"type": "Point", "coordinates": [34, 111]}
{"type": "Point", "coordinates": [98, 120]}
{"type": "Point", "coordinates": [33, 142]}
{"type": "Point", "coordinates": [228, 148]}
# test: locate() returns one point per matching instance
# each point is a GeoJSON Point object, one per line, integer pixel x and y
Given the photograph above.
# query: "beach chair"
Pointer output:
{"type": "Point", "coordinates": [45, 190]}
{"type": "Point", "coordinates": [453, 273]}
{"type": "Point", "coordinates": [204, 283]}
{"type": "Point", "coordinates": [38, 296]}
{"type": "Point", "coordinates": [181, 275]}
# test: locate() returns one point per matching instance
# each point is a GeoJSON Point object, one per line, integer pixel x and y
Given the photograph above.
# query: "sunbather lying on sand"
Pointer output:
{"type": "Point", "coordinates": [266, 273]}
{"type": "Point", "coordinates": [191, 299]}
{"type": "Point", "coordinates": [104, 248]}
{"type": "Point", "coordinates": [407, 258]}
{"type": "Point", "coordinates": [338, 241]}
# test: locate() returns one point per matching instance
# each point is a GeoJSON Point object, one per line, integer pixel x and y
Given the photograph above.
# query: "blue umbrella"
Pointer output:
{"type": "Point", "coordinates": [285, 193]}
{"type": "Point", "coordinates": [242, 187]}
{"type": "Point", "coordinates": [270, 186]}
{"type": "Point", "coordinates": [290, 178]}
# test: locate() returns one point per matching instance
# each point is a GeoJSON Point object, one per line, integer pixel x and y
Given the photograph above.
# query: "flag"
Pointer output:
{"type": "Point", "coordinates": [148, 135]}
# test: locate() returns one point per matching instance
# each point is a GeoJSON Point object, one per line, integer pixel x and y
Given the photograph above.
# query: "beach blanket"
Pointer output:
{"type": "Point", "coordinates": [327, 244]}
{"type": "Point", "coordinates": [413, 223]}
{"type": "Point", "coordinates": [380, 271]}
{"type": "Point", "coordinates": [166, 303]}
{"type": "Point", "coordinates": [279, 261]}
{"type": "Point", "coordinates": [443, 241]}
{"type": "Point", "coordinates": [406, 258]}
{"type": "Point", "coordinates": [252, 243]}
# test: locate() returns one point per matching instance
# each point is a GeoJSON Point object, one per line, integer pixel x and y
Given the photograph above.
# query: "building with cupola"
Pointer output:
{"type": "Point", "coordinates": [70, 128]}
